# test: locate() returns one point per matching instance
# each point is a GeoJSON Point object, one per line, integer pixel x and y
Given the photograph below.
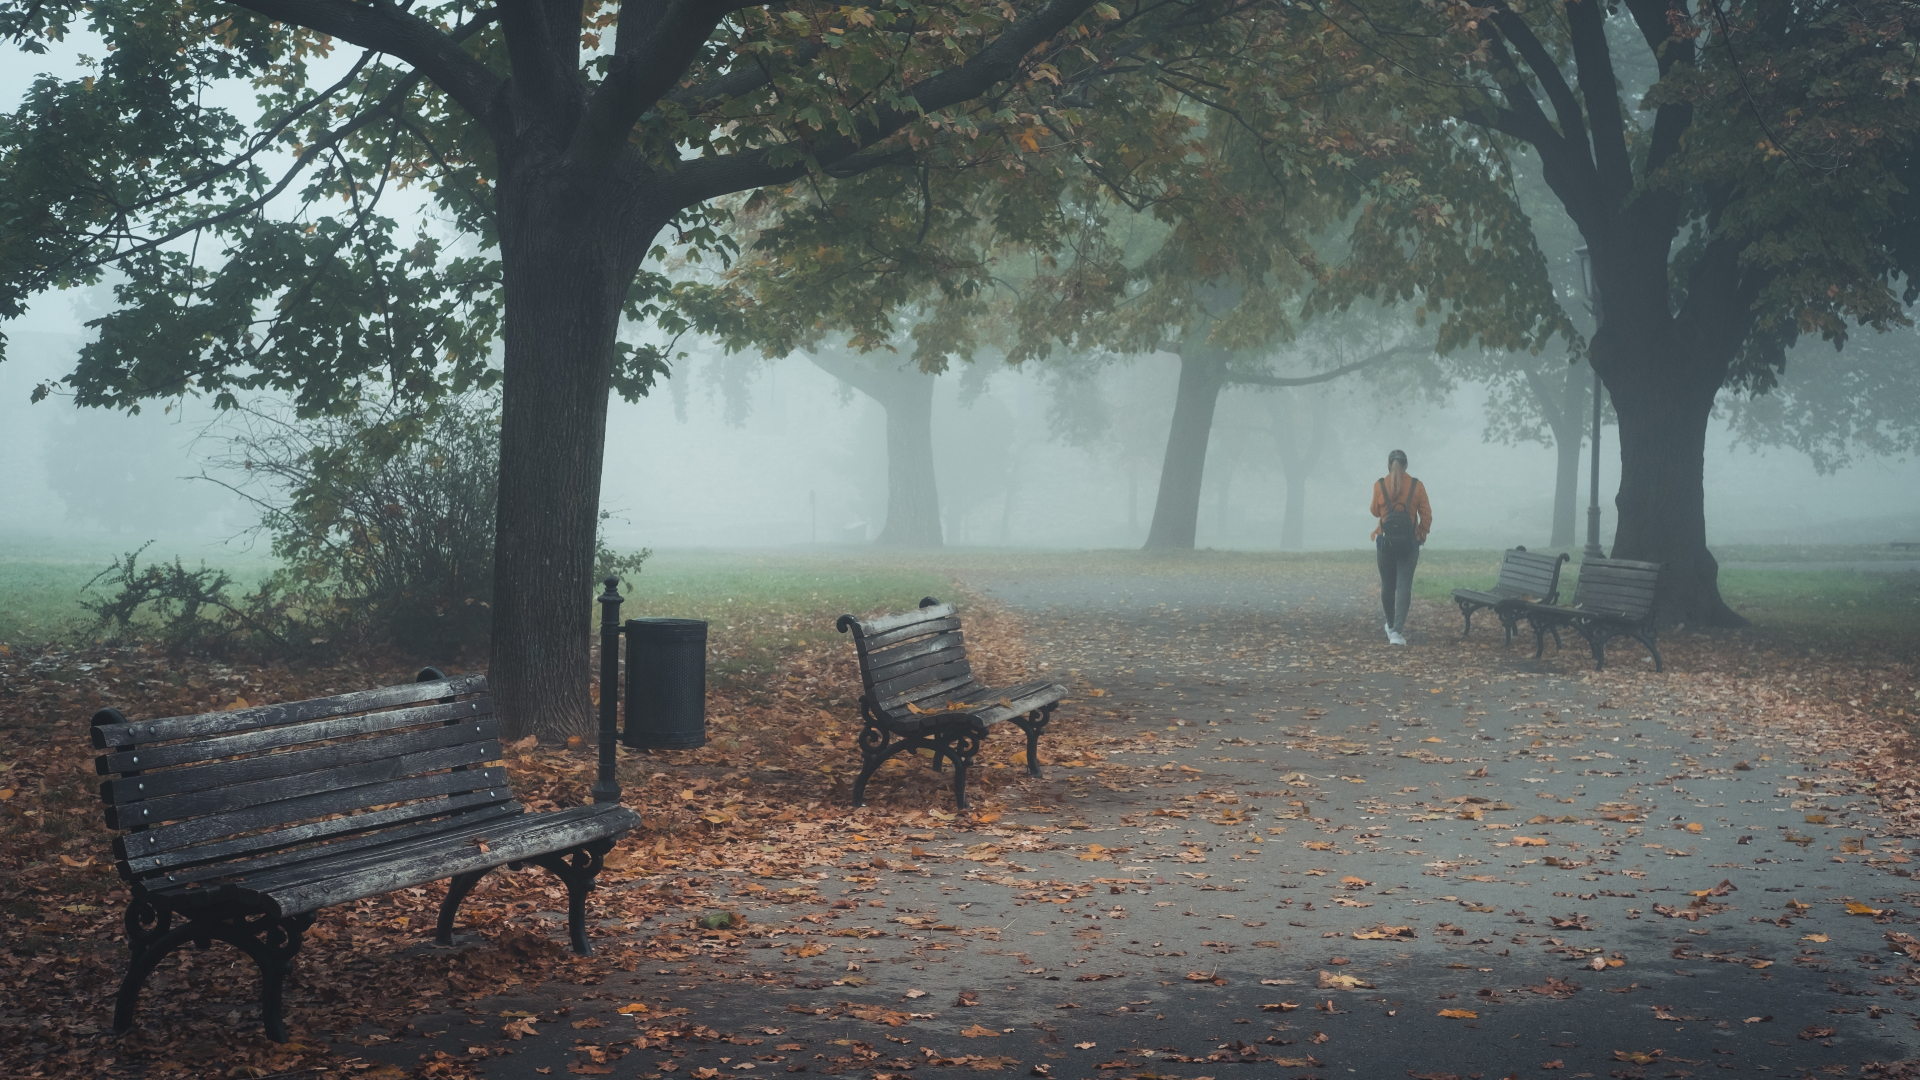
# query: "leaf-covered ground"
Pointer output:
{"type": "Point", "coordinates": [1238, 709]}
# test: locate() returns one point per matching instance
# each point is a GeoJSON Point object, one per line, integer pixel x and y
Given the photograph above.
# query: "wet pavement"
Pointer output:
{"type": "Point", "coordinates": [1300, 855]}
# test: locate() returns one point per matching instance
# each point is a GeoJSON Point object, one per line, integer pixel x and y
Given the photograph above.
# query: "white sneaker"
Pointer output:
{"type": "Point", "coordinates": [1395, 637]}
{"type": "Point", "coordinates": [1388, 627]}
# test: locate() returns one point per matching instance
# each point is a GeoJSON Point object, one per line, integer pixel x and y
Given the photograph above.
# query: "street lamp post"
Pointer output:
{"type": "Point", "coordinates": [1591, 293]}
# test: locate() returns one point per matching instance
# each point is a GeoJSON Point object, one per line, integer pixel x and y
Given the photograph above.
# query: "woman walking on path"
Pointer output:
{"type": "Point", "coordinates": [1400, 505]}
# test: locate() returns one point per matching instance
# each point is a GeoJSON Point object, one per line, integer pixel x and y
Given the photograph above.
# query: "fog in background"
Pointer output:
{"type": "Point", "coordinates": [734, 452]}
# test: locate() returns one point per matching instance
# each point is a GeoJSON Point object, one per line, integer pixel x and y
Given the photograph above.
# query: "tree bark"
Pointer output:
{"type": "Point", "coordinates": [1176, 509]}
{"type": "Point", "coordinates": [1663, 415]}
{"type": "Point", "coordinates": [913, 492]}
{"type": "Point", "coordinates": [566, 262]}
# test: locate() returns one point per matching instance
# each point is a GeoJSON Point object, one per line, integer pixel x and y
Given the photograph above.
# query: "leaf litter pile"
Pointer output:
{"type": "Point", "coordinates": [720, 832]}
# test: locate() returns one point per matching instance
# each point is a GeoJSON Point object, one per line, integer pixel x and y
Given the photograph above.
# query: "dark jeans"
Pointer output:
{"type": "Point", "coordinates": [1396, 582]}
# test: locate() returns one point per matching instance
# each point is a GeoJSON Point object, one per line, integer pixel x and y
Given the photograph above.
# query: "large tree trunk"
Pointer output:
{"type": "Point", "coordinates": [913, 492]}
{"type": "Point", "coordinates": [1293, 525]}
{"type": "Point", "coordinates": [1176, 509]}
{"type": "Point", "coordinates": [1299, 457]}
{"type": "Point", "coordinates": [1662, 373]}
{"type": "Point", "coordinates": [1564, 403]}
{"type": "Point", "coordinates": [566, 263]}
{"type": "Point", "coordinates": [1662, 508]}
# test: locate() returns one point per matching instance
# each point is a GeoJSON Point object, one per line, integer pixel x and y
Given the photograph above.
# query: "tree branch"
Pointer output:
{"type": "Point", "coordinates": [388, 29]}
{"type": "Point", "coordinates": [643, 70]}
{"type": "Point", "coordinates": [1325, 376]}
{"type": "Point", "coordinates": [1573, 125]}
{"type": "Point", "coordinates": [1506, 75]}
{"type": "Point", "coordinates": [1594, 64]}
{"type": "Point", "coordinates": [1670, 121]}
{"type": "Point", "coordinates": [709, 178]}
{"type": "Point", "coordinates": [740, 80]}
{"type": "Point", "coordinates": [386, 106]}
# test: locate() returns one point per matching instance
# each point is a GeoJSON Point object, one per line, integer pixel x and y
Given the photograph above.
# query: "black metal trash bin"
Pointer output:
{"type": "Point", "coordinates": [666, 684]}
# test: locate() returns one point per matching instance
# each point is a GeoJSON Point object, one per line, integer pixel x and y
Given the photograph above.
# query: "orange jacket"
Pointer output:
{"type": "Point", "coordinates": [1421, 509]}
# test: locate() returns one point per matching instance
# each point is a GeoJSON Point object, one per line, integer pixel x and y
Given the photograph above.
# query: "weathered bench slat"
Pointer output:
{"type": "Point", "coordinates": [919, 695]}
{"type": "Point", "coordinates": [871, 628]}
{"type": "Point", "coordinates": [539, 836]}
{"type": "Point", "coordinates": [252, 819]}
{"type": "Point", "coordinates": [499, 835]}
{"type": "Point", "coordinates": [268, 792]}
{"type": "Point", "coordinates": [910, 668]}
{"type": "Point", "coordinates": [246, 871]}
{"type": "Point", "coordinates": [1629, 594]}
{"type": "Point", "coordinates": [879, 660]}
{"type": "Point", "coordinates": [893, 637]}
{"type": "Point", "coordinates": [137, 733]}
{"type": "Point", "coordinates": [214, 859]}
{"type": "Point", "coordinates": [1539, 583]}
{"type": "Point", "coordinates": [150, 786]}
{"type": "Point", "coordinates": [1019, 700]}
{"type": "Point", "coordinates": [211, 749]}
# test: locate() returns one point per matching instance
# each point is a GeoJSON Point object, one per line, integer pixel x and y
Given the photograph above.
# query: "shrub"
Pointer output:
{"type": "Point", "coordinates": [384, 522]}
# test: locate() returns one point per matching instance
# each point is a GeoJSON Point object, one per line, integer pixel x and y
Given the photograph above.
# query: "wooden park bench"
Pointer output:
{"type": "Point", "coordinates": [1612, 598]}
{"type": "Point", "coordinates": [242, 825]}
{"type": "Point", "coordinates": [1525, 576]}
{"type": "Point", "coordinates": [918, 692]}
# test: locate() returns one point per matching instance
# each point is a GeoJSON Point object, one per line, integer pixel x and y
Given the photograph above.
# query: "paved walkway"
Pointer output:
{"type": "Point", "coordinates": [1315, 866]}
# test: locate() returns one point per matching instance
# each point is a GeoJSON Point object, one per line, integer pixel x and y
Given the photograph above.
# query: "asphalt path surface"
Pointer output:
{"type": "Point", "coordinates": [1318, 860]}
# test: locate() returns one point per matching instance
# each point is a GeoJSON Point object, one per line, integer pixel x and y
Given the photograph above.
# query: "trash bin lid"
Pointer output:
{"type": "Point", "coordinates": [667, 629]}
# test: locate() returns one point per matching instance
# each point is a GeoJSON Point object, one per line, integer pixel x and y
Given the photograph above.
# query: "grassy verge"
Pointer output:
{"type": "Point", "coordinates": [1851, 604]}
{"type": "Point", "coordinates": [762, 608]}
{"type": "Point", "coordinates": [42, 580]}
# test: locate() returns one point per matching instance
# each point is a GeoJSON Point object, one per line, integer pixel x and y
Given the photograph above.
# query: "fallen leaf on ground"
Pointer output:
{"type": "Point", "coordinates": [1330, 981]}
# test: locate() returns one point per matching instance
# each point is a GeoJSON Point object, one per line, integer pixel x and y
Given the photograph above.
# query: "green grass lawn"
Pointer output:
{"type": "Point", "coordinates": [761, 606]}
{"type": "Point", "coordinates": [1815, 601]}
{"type": "Point", "coordinates": [42, 580]}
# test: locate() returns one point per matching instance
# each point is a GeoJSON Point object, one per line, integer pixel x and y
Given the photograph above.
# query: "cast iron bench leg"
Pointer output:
{"type": "Point", "coordinates": [873, 753]}
{"type": "Point", "coordinates": [1466, 618]}
{"type": "Point", "coordinates": [578, 868]}
{"type": "Point", "coordinates": [271, 942]}
{"type": "Point", "coordinates": [457, 890]}
{"type": "Point", "coordinates": [150, 953]}
{"type": "Point", "coordinates": [1033, 728]}
{"type": "Point", "coordinates": [961, 746]}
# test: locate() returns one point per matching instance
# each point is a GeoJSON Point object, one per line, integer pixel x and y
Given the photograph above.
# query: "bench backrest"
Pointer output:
{"type": "Point", "coordinates": [1618, 587]}
{"type": "Point", "coordinates": [1532, 573]}
{"type": "Point", "coordinates": [905, 659]}
{"type": "Point", "coordinates": [201, 796]}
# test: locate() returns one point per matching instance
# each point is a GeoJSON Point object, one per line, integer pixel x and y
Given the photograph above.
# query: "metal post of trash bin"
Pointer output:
{"type": "Point", "coordinates": [666, 684]}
